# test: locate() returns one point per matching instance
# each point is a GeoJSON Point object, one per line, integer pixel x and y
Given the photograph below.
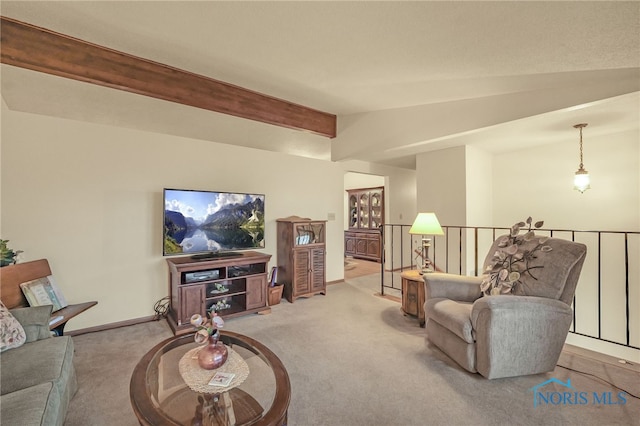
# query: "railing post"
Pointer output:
{"type": "Point", "coordinates": [475, 250]}
{"type": "Point", "coordinates": [573, 238]}
{"type": "Point", "coordinates": [382, 259]}
{"type": "Point", "coordinates": [599, 286]}
{"type": "Point", "coordinates": [626, 284]}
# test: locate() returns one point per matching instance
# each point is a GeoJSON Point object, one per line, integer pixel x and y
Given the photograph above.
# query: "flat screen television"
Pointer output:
{"type": "Point", "coordinates": [209, 224]}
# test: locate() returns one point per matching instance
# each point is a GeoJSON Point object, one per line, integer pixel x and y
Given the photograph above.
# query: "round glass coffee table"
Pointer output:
{"type": "Point", "coordinates": [160, 396]}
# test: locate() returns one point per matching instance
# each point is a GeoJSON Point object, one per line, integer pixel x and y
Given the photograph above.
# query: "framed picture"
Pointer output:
{"type": "Point", "coordinates": [44, 291]}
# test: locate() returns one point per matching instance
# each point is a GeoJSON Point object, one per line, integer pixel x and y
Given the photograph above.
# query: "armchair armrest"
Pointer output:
{"type": "Point", "coordinates": [518, 335]}
{"type": "Point", "coordinates": [451, 286]}
{"type": "Point", "coordinates": [532, 308]}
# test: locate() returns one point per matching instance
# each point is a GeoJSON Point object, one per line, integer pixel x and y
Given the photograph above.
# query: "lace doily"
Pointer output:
{"type": "Point", "coordinates": [198, 378]}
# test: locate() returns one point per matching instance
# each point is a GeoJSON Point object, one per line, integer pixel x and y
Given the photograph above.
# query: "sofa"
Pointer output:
{"type": "Point", "coordinates": [37, 376]}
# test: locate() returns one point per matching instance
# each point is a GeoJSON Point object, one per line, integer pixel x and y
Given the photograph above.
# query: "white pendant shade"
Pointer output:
{"type": "Point", "coordinates": [581, 181]}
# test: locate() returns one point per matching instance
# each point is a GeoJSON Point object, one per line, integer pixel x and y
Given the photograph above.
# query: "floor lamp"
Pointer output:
{"type": "Point", "coordinates": [426, 224]}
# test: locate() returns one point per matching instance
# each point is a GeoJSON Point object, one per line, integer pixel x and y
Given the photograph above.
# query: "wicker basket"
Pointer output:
{"type": "Point", "coordinates": [275, 294]}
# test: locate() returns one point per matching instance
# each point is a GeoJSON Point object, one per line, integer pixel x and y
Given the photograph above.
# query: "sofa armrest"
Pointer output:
{"type": "Point", "coordinates": [35, 321]}
{"type": "Point", "coordinates": [451, 286]}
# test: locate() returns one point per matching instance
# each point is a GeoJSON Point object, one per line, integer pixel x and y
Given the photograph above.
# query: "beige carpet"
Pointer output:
{"type": "Point", "coordinates": [354, 359]}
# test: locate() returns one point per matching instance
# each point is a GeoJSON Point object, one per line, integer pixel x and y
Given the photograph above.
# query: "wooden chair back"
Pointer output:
{"type": "Point", "coordinates": [13, 275]}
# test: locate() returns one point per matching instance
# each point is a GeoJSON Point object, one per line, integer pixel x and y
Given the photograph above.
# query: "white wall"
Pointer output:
{"type": "Point", "coordinates": [441, 183]}
{"type": "Point", "coordinates": [539, 183]}
{"type": "Point", "coordinates": [88, 197]}
{"type": "Point", "coordinates": [479, 212]}
{"type": "Point", "coordinates": [353, 180]}
{"type": "Point", "coordinates": [442, 189]}
{"type": "Point", "coordinates": [479, 186]}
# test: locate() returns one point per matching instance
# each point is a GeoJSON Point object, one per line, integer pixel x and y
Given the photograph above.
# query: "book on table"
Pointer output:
{"type": "Point", "coordinates": [44, 291]}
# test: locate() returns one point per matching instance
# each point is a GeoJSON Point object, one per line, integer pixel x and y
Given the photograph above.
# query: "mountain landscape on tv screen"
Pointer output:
{"type": "Point", "coordinates": [232, 227]}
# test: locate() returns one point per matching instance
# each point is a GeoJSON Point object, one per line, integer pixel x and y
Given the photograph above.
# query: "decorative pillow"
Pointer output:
{"type": "Point", "coordinates": [11, 332]}
{"type": "Point", "coordinates": [35, 321]}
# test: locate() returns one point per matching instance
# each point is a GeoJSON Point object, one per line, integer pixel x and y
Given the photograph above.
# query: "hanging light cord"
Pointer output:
{"type": "Point", "coordinates": [580, 126]}
{"type": "Point", "coordinates": [581, 165]}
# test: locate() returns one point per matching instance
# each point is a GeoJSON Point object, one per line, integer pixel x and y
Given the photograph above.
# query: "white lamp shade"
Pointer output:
{"type": "Point", "coordinates": [426, 224]}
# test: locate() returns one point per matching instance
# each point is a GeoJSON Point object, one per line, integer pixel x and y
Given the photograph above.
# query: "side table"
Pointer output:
{"type": "Point", "coordinates": [59, 318]}
{"type": "Point", "coordinates": [413, 295]}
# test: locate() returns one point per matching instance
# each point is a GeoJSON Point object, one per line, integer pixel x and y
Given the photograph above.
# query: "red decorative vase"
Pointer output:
{"type": "Point", "coordinates": [213, 354]}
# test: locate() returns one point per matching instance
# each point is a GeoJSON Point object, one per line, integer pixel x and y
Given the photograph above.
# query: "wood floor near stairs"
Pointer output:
{"type": "Point", "coordinates": [354, 268]}
{"type": "Point", "coordinates": [359, 267]}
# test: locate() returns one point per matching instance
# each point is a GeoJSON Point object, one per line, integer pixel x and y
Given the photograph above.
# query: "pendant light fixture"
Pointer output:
{"type": "Point", "coordinates": [581, 180]}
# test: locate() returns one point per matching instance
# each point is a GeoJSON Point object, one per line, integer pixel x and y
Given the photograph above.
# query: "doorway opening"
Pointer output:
{"type": "Point", "coordinates": [364, 214]}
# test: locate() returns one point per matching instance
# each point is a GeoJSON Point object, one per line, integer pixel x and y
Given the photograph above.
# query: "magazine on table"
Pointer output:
{"type": "Point", "coordinates": [221, 379]}
{"type": "Point", "coordinates": [44, 291]}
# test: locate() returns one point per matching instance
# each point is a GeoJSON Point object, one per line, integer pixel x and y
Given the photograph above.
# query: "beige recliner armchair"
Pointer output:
{"type": "Point", "coordinates": [519, 332]}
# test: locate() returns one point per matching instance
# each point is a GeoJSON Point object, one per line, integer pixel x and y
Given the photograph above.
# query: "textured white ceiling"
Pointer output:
{"type": "Point", "coordinates": [345, 58]}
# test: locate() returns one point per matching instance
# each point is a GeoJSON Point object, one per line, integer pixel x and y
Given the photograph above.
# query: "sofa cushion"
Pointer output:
{"type": "Point", "coordinates": [38, 362]}
{"type": "Point", "coordinates": [452, 315]}
{"type": "Point", "coordinates": [36, 405]}
{"type": "Point", "coordinates": [12, 334]}
{"type": "Point", "coordinates": [35, 321]}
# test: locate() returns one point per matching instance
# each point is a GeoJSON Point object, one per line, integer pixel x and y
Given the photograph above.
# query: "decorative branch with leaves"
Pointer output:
{"type": "Point", "coordinates": [513, 261]}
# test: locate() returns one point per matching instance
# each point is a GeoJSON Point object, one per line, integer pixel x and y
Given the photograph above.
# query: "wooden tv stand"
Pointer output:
{"type": "Point", "coordinates": [231, 286]}
{"type": "Point", "coordinates": [13, 275]}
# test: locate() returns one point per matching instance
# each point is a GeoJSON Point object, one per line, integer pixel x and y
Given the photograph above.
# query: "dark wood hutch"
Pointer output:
{"type": "Point", "coordinates": [363, 239]}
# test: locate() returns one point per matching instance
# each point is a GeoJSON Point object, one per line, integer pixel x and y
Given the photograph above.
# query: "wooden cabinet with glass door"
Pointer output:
{"type": "Point", "coordinates": [301, 257]}
{"type": "Point", "coordinates": [366, 215]}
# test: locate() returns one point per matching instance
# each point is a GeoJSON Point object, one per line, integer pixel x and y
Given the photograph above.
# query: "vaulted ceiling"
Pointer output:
{"type": "Point", "coordinates": [402, 77]}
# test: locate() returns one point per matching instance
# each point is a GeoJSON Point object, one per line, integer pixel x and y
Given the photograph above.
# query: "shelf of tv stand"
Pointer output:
{"type": "Point", "coordinates": [191, 282]}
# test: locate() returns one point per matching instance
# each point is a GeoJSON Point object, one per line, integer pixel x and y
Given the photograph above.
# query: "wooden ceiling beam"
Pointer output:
{"type": "Point", "coordinates": [39, 49]}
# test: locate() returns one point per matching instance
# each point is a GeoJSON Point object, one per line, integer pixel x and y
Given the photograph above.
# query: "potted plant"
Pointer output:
{"type": "Point", "coordinates": [7, 256]}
